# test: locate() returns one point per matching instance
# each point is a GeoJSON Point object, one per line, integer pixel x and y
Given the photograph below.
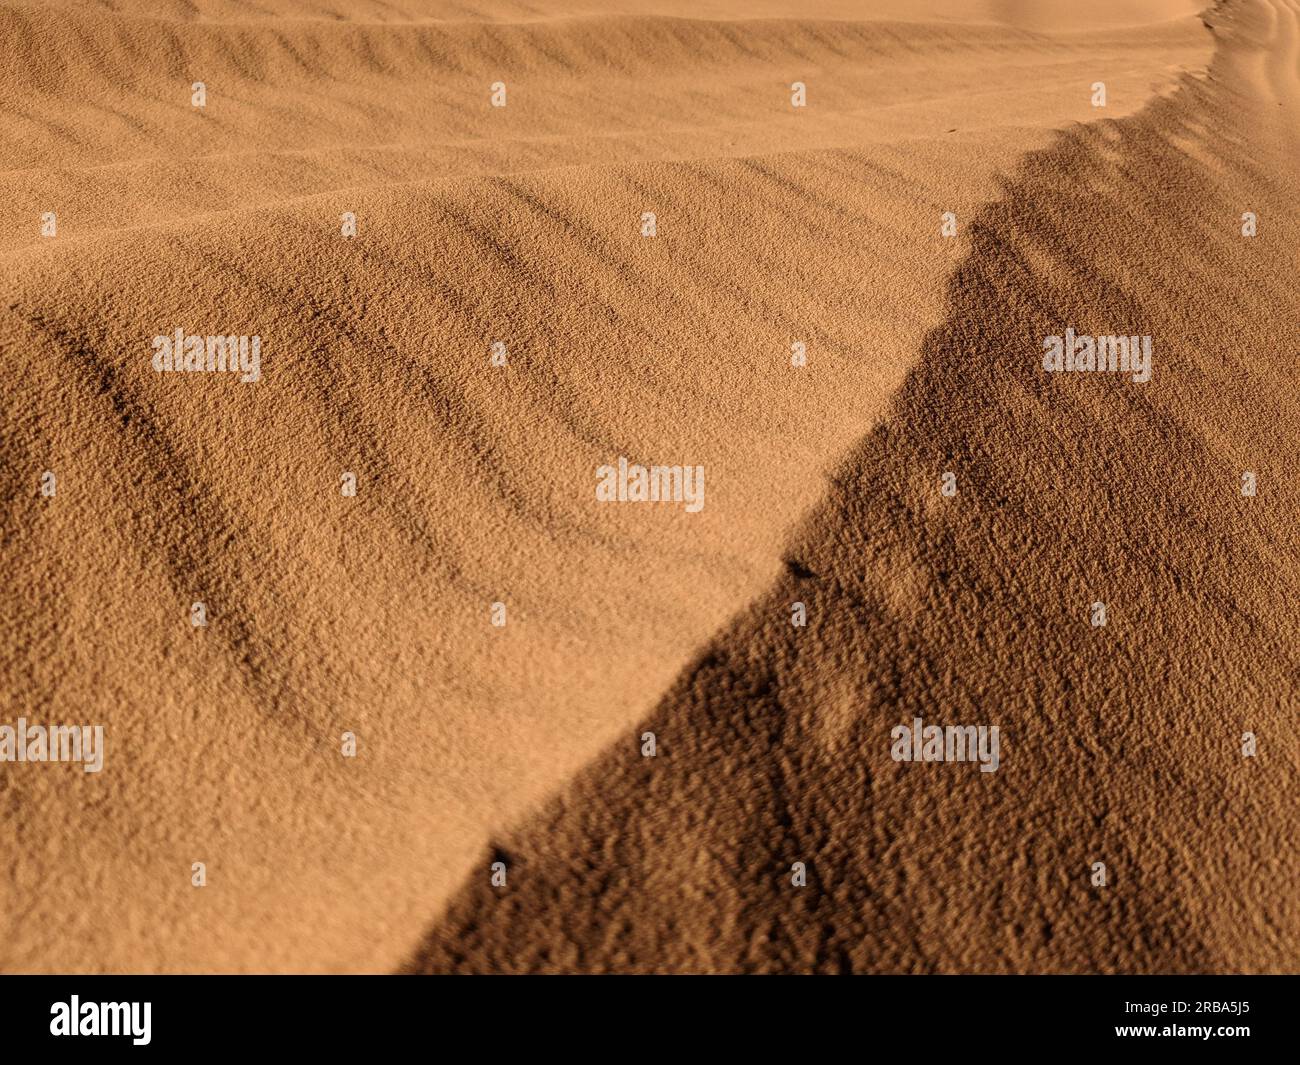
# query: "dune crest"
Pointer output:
{"type": "Point", "coordinates": [1121, 744]}
{"type": "Point", "coordinates": [325, 614]}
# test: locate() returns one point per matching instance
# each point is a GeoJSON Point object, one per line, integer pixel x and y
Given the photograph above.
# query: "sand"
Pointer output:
{"type": "Point", "coordinates": [520, 744]}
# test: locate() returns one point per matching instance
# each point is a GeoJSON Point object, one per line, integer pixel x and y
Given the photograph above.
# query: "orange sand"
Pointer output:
{"type": "Point", "coordinates": [521, 224]}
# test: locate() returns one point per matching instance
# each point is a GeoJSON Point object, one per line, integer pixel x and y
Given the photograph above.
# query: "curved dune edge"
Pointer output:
{"type": "Point", "coordinates": [1121, 744]}
{"type": "Point", "coordinates": [371, 614]}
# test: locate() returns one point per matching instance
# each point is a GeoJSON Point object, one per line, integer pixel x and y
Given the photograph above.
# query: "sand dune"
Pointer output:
{"type": "Point", "coordinates": [1122, 743]}
{"type": "Point", "coordinates": [98, 118]}
{"type": "Point", "coordinates": [521, 225]}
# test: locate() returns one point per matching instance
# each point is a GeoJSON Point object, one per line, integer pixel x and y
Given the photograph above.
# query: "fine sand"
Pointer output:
{"type": "Point", "coordinates": [521, 744]}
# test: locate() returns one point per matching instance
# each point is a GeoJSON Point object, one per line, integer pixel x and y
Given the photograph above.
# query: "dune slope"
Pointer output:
{"type": "Point", "coordinates": [371, 615]}
{"type": "Point", "coordinates": [1122, 744]}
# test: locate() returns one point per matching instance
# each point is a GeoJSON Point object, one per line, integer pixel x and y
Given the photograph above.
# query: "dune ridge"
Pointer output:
{"type": "Point", "coordinates": [371, 614]}
{"type": "Point", "coordinates": [1121, 744]}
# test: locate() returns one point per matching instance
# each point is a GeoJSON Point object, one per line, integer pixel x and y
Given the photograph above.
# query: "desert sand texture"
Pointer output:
{"type": "Point", "coordinates": [518, 229]}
